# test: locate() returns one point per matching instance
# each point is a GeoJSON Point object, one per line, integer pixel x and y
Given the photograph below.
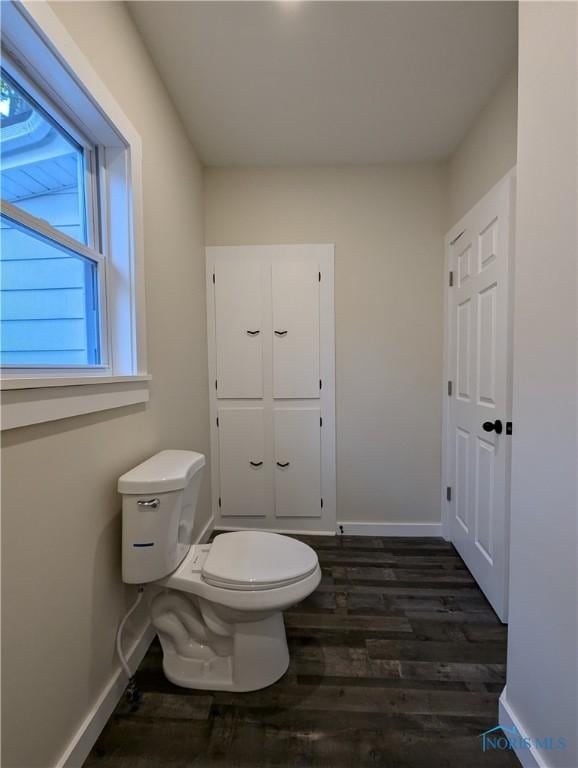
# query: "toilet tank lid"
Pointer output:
{"type": "Point", "coordinates": [165, 471]}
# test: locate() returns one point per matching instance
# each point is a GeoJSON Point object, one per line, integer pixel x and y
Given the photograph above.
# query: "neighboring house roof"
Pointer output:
{"type": "Point", "coordinates": [48, 176]}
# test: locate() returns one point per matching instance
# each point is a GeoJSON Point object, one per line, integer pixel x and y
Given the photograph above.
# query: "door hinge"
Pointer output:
{"type": "Point", "coordinates": [450, 388]}
{"type": "Point", "coordinates": [217, 421]}
{"type": "Point", "coordinates": [216, 387]}
{"type": "Point", "coordinates": [219, 502]}
{"type": "Point", "coordinates": [320, 277]}
{"type": "Point", "coordinates": [449, 493]}
{"type": "Point", "coordinates": [451, 279]}
{"type": "Point", "coordinates": [321, 503]}
{"type": "Point", "coordinates": [455, 240]}
{"type": "Point", "coordinates": [321, 421]}
{"type": "Point", "coordinates": [508, 427]}
{"type": "Point", "coordinates": [213, 278]}
{"type": "Point", "coordinates": [320, 384]}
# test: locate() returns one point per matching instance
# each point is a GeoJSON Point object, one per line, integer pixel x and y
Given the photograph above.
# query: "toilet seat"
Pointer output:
{"type": "Point", "coordinates": [257, 560]}
{"type": "Point", "coordinates": [189, 577]}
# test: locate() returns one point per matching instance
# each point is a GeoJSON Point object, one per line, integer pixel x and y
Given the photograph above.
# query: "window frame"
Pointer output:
{"type": "Point", "coordinates": [37, 48]}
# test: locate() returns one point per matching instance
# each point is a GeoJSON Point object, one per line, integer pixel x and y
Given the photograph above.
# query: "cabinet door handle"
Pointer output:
{"type": "Point", "coordinates": [283, 464]}
{"type": "Point", "coordinates": [253, 333]}
{"type": "Point", "coordinates": [280, 333]}
{"type": "Point", "coordinates": [256, 463]}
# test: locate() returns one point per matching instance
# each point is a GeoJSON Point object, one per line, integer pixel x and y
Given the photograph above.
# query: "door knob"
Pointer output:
{"type": "Point", "coordinates": [280, 333]}
{"type": "Point", "coordinates": [282, 464]}
{"type": "Point", "coordinates": [493, 426]}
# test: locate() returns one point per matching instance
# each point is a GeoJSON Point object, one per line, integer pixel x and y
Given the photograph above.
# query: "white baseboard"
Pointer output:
{"type": "Point", "coordinates": [528, 757]}
{"type": "Point", "coordinates": [296, 531]}
{"type": "Point", "coordinates": [90, 729]}
{"type": "Point", "coordinates": [390, 529]}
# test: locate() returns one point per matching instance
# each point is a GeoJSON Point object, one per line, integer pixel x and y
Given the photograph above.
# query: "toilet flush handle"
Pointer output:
{"type": "Point", "coordinates": [149, 503]}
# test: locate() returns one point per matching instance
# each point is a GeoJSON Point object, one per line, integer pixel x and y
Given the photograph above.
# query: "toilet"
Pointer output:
{"type": "Point", "coordinates": [217, 608]}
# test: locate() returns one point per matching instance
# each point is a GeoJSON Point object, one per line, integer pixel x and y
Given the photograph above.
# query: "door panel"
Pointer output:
{"type": "Point", "coordinates": [239, 328]}
{"type": "Point", "coordinates": [242, 467]}
{"type": "Point", "coordinates": [295, 284]}
{"type": "Point", "coordinates": [465, 265]}
{"type": "Point", "coordinates": [462, 478]}
{"type": "Point", "coordinates": [297, 462]}
{"type": "Point", "coordinates": [479, 359]}
{"type": "Point", "coordinates": [484, 500]}
{"type": "Point", "coordinates": [464, 352]}
{"type": "Point", "coordinates": [488, 244]}
{"type": "Point", "coordinates": [487, 345]}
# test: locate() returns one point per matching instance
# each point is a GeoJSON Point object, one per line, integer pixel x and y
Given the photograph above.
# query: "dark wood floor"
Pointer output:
{"type": "Point", "coordinates": [397, 661]}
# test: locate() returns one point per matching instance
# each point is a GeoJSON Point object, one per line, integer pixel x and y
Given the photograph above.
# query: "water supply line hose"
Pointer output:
{"type": "Point", "coordinates": [132, 692]}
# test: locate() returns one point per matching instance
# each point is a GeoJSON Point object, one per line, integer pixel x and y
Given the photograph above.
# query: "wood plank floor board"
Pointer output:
{"type": "Point", "coordinates": [346, 698]}
{"type": "Point", "coordinates": [459, 617]}
{"type": "Point", "coordinates": [338, 621]}
{"type": "Point", "coordinates": [397, 661]}
{"type": "Point", "coordinates": [395, 590]}
{"type": "Point", "coordinates": [416, 650]}
{"type": "Point", "coordinates": [296, 720]}
{"type": "Point", "coordinates": [385, 683]}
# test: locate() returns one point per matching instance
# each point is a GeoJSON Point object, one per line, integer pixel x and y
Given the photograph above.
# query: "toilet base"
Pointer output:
{"type": "Point", "coordinates": [259, 657]}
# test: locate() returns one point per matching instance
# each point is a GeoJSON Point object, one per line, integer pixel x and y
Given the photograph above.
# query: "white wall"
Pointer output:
{"type": "Point", "coordinates": [62, 592]}
{"type": "Point", "coordinates": [387, 224]}
{"type": "Point", "coordinates": [486, 153]}
{"type": "Point", "coordinates": [542, 690]}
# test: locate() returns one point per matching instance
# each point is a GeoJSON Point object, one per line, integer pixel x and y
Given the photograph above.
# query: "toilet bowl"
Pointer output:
{"type": "Point", "coordinates": [225, 631]}
{"type": "Point", "coordinates": [217, 608]}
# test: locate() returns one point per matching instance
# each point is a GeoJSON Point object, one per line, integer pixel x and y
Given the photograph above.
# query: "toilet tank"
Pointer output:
{"type": "Point", "coordinates": [159, 501]}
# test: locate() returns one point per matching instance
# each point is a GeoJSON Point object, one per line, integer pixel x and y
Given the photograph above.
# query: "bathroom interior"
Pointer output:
{"type": "Point", "coordinates": [287, 479]}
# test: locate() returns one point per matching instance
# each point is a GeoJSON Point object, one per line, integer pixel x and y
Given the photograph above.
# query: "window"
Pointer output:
{"type": "Point", "coordinates": [42, 166]}
{"type": "Point", "coordinates": [71, 264]}
{"type": "Point", "coordinates": [49, 301]}
{"type": "Point", "coordinates": [50, 288]}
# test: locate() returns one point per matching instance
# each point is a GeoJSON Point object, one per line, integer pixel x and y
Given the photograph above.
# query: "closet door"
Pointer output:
{"type": "Point", "coordinates": [242, 462]}
{"type": "Point", "coordinates": [297, 462]}
{"type": "Point", "coordinates": [239, 327]}
{"type": "Point", "coordinates": [295, 295]}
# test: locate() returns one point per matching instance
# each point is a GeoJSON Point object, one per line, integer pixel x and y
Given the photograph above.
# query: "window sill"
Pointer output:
{"type": "Point", "coordinates": [30, 400]}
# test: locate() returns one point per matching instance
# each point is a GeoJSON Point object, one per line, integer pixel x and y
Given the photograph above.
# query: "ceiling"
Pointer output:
{"type": "Point", "coordinates": [286, 82]}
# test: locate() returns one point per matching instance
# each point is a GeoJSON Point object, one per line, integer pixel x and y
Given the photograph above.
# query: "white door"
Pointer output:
{"type": "Point", "coordinates": [479, 412]}
{"type": "Point", "coordinates": [239, 327]}
{"type": "Point", "coordinates": [243, 485]}
{"type": "Point", "coordinates": [297, 462]}
{"type": "Point", "coordinates": [295, 297]}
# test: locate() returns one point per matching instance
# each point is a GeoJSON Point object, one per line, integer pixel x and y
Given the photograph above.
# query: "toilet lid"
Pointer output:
{"type": "Point", "coordinates": [257, 560]}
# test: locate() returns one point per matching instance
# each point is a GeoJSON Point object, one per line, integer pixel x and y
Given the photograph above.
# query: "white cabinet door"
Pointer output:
{"type": "Point", "coordinates": [239, 327]}
{"type": "Point", "coordinates": [297, 462]}
{"type": "Point", "coordinates": [243, 488]}
{"type": "Point", "coordinates": [295, 284]}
